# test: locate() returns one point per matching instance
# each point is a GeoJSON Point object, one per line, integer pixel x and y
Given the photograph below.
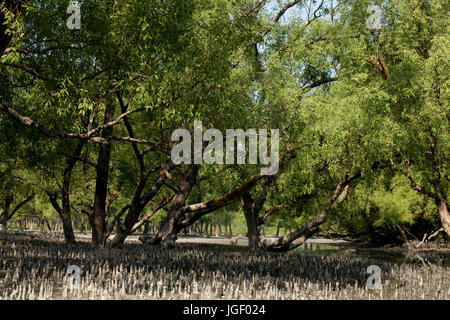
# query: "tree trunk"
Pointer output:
{"type": "Point", "coordinates": [251, 219]}
{"type": "Point", "coordinates": [48, 225]}
{"type": "Point", "coordinates": [445, 217]}
{"type": "Point", "coordinates": [82, 225]}
{"type": "Point", "coordinates": [217, 229]}
{"type": "Point", "coordinates": [65, 218]}
{"type": "Point", "coordinates": [442, 206]}
{"type": "Point", "coordinates": [138, 205]}
{"type": "Point", "coordinates": [180, 217]}
{"type": "Point", "coordinates": [252, 235]}
{"type": "Point", "coordinates": [173, 223]}
{"type": "Point", "coordinates": [145, 228]}
{"type": "Point", "coordinates": [98, 217]}
{"type": "Point", "coordinates": [5, 216]}
{"type": "Point", "coordinates": [64, 210]}
{"type": "Point", "coordinates": [5, 213]}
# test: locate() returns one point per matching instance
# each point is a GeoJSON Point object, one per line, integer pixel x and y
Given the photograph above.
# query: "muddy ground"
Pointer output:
{"type": "Point", "coordinates": [34, 265]}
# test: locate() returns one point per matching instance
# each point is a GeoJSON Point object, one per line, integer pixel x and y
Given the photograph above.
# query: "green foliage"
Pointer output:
{"type": "Point", "coordinates": [343, 96]}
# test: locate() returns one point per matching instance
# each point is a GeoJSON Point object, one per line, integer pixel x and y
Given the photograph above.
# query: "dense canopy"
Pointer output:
{"type": "Point", "coordinates": [361, 105]}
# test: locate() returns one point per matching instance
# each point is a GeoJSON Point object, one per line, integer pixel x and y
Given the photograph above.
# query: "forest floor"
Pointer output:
{"type": "Point", "coordinates": [433, 252]}
{"type": "Point", "coordinates": [34, 265]}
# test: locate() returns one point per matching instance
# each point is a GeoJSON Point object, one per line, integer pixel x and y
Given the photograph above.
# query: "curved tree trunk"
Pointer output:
{"type": "Point", "coordinates": [65, 218]}
{"type": "Point", "coordinates": [180, 217]}
{"type": "Point", "coordinates": [299, 236]}
{"type": "Point", "coordinates": [437, 194]}
{"type": "Point", "coordinates": [442, 207]}
{"type": "Point", "coordinates": [173, 223]}
{"type": "Point", "coordinates": [6, 216]}
{"type": "Point", "coordinates": [138, 205]}
{"type": "Point", "coordinates": [64, 210]}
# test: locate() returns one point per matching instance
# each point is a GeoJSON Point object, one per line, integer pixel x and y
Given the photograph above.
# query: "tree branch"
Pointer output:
{"type": "Point", "coordinates": [152, 212]}
{"type": "Point", "coordinates": [29, 70]}
{"type": "Point", "coordinates": [84, 160]}
{"type": "Point", "coordinates": [420, 189]}
{"type": "Point", "coordinates": [319, 83]}
{"type": "Point", "coordinates": [270, 212]}
{"type": "Point", "coordinates": [279, 15]}
{"type": "Point", "coordinates": [32, 124]}
{"type": "Point", "coordinates": [20, 205]}
{"type": "Point", "coordinates": [200, 209]}
{"type": "Point", "coordinates": [296, 238]}
{"type": "Point", "coordinates": [85, 136]}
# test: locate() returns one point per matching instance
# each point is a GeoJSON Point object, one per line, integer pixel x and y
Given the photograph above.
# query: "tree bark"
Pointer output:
{"type": "Point", "coordinates": [251, 218]}
{"type": "Point", "coordinates": [172, 225]}
{"type": "Point", "coordinates": [65, 219]}
{"type": "Point", "coordinates": [252, 209]}
{"type": "Point", "coordinates": [442, 207]}
{"type": "Point", "coordinates": [138, 205]}
{"type": "Point", "coordinates": [145, 232]}
{"type": "Point", "coordinates": [180, 216]}
{"type": "Point", "coordinates": [5, 213]}
{"type": "Point", "coordinates": [64, 210]}
{"type": "Point", "coordinates": [48, 225]}
{"type": "Point", "coordinates": [98, 217]}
